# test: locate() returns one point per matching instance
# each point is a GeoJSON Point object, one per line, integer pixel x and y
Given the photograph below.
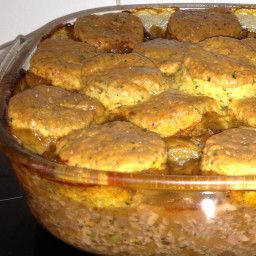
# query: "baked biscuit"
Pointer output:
{"type": "Point", "coordinates": [245, 110]}
{"type": "Point", "coordinates": [196, 25]}
{"type": "Point", "coordinates": [111, 32]}
{"type": "Point", "coordinates": [49, 113]}
{"type": "Point", "coordinates": [243, 197]}
{"type": "Point", "coordinates": [166, 54]}
{"type": "Point", "coordinates": [121, 79]}
{"type": "Point", "coordinates": [243, 50]}
{"type": "Point", "coordinates": [231, 152]}
{"type": "Point", "coordinates": [218, 76]}
{"type": "Point", "coordinates": [92, 196]}
{"type": "Point", "coordinates": [114, 146]}
{"type": "Point", "coordinates": [100, 196]}
{"type": "Point", "coordinates": [60, 61]}
{"type": "Point", "coordinates": [170, 112]}
{"type": "Point", "coordinates": [63, 32]}
{"type": "Point", "coordinates": [250, 42]}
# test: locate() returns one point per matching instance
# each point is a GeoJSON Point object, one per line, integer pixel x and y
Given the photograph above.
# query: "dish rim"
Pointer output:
{"type": "Point", "coordinates": [19, 51]}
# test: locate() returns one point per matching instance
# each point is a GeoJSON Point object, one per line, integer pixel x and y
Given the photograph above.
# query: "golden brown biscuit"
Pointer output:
{"type": "Point", "coordinates": [170, 112]}
{"type": "Point", "coordinates": [166, 54]}
{"type": "Point", "coordinates": [250, 42]}
{"type": "Point", "coordinates": [231, 152]}
{"type": "Point", "coordinates": [218, 76]}
{"type": "Point", "coordinates": [114, 146]}
{"type": "Point", "coordinates": [243, 50]}
{"type": "Point", "coordinates": [91, 196]}
{"type": "Point", "coordinates": [63, 32]}
{"type": "Point", "coordinates": [49, 113]}
{"type": "Point", "coordinates": [121, 79]}
{"type": "Point", "coordinates": [243, 197]}
{"type": "Point", "coordinates": [60, 61]}
{"type": "Point", "coordinates": [100, 196]}
{"type": "Point", "coordinates": [111, 32]}
{"type": "Point", "coordinates": [245, 110]}
{"type": "Point", "coordinates": [196, 25]}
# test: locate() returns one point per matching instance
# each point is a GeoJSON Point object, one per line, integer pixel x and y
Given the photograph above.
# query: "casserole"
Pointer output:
{"type": "Point", "coordinates": [161, 214]}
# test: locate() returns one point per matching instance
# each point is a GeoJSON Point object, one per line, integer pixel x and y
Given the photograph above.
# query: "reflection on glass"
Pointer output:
{"type": "Point", "coordinates": [208, 207]}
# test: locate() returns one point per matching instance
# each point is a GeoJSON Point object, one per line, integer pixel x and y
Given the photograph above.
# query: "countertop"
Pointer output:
{"type": "Point", "coordinates": [20, 235]}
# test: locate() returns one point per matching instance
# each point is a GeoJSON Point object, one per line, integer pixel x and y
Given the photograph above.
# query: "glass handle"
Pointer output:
{"type": "Point", "coordinates": [9, 54]}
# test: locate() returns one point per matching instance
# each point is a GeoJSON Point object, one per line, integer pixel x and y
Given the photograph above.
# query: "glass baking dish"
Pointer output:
{"type": "Point", "coordinates": [152, 214]}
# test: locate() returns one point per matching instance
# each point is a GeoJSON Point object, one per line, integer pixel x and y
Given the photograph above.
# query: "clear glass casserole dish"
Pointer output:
{"type": "Point", "coordinates": [152, 214]}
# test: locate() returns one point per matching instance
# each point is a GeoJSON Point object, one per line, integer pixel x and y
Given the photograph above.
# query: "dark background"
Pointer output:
{"type": "Point", "coordinates": [20, 235]}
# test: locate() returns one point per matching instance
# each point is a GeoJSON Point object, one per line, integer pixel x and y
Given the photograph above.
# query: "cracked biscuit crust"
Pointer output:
{"type": "Point", "coordinates": [112, 32]}
{"type": "Point", "coordinates": [231, 152]}
{"type": "Point", "coordinates": [115, 146]}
